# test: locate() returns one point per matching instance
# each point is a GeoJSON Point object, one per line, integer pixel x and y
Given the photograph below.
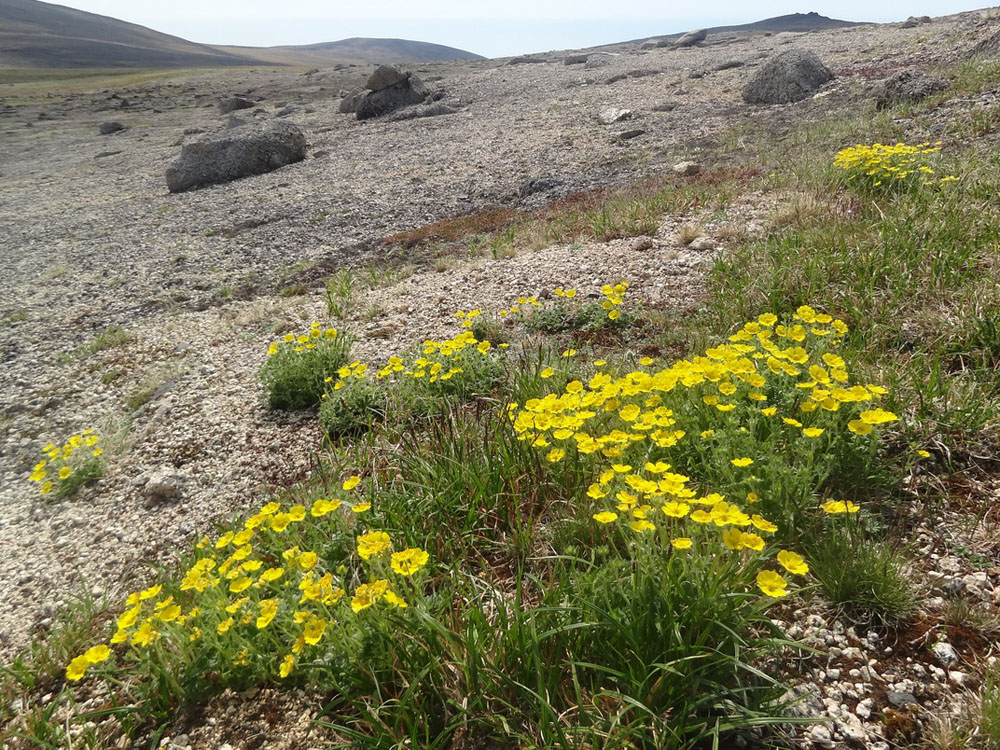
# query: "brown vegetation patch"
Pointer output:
{"type": "Point", "coordinates": [450, 230]}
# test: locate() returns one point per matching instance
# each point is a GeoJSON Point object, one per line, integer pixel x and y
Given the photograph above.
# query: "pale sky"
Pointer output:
{"type": "Point", "coordinates": [497, 29]}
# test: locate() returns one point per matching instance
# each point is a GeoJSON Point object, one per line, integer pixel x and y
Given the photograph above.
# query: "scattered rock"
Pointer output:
{"type": "Point", "coordinates": [692, 38]}
{"type": "Point", "coordinates": [112, 126]}
{"type": "Point", "coordinates": [687, 168]}
{"type": "Point", "coordinates": [597, 61]}
{"type": "Point", "coordinates": [648, 45]}
{"type": "Point", "coordinates": [575, 59]}
{"type": "Point", "coordinates": [899, 698]}
{"type": "Point", "coordinates": [430, 110]}
{"type": "Point", "coordinates": [945, 653]}
{"type": "Point", "coordinates": [729, 65]}
{"type": "Point", "coordinates": [104, 154]}
{"type": "Point", "coordinates": [630, 134]}
{"type": "Point", "coordinates": [163, 485]}
{"type": "Point", "coordinates": [389, 88]}
{"type": "Point", "coordinates": [787, 77]}
{"type": "Point", "coordinates": [612, 115]}
{"type": "Point", "coordinates": [525, 60]}
{"type": "Point", "coordinates": [907, 86]}
{"type": "Point", "coordinates": [233, 103]}
{"type": "Point", "coordinates": [241, 152]}
{"type": "Point", "coordinates": [702, 244]}
{"type": "Point", "coordinates": [665, 107]}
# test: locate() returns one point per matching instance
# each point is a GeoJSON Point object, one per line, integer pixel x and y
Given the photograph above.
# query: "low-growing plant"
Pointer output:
{"type": "Point", "coordinates": [864, 577]}
{"type": "Point", "coordinates": [412, 385]}
{"type": "Point", "coordinates": [884, 168]}
{"type": "Point", "coordinates": [298, 368]}
{"type": "Point", "coordinates": [66, 468]}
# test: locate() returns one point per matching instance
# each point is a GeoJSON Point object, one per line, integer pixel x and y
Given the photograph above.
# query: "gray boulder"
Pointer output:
{"type": "Point", "coordinates": [597, 61]}
{"type": "Point", "coordinates": [692, 38]}
{"type": "Point", "coordinates": [349, 102]}
{"type": "Point", "coordinates": [107, 128]}
{"type": "Point", "coordinates": [252, 149]}
{"type": "Point", "coordinates": [907, 86]}
{"type": "Point", "coordinates": [787, 77]}
{"type": "Point", "coordinates": [575, 59]}
{"type": "Point", "coordinates": [415, 113]}
{"type": "Point", "coordinates": [233, 103]}
{"type": "Point", "coordinates": [388, 89]}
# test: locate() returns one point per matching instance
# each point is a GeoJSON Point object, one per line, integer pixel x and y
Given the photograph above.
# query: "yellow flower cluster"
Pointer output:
{"type": "Point", "coordinates": [303, 341]}
{"type": "Point", "coordinates": [614, 297]}
{"type": "Point", "coordinates": [439, 361]}
{"type": "Point", "coordinates": [249, 579]}
{"type": "Point", "coordinates": [779, 372]}
{"type": "Point", "coordinates": [880, 164]}
{"type": "Point", "coordinates": [62, 461]}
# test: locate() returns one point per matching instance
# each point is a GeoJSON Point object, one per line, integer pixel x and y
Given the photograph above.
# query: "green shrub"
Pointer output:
{"type": "Point", "coordinates": [298, 368]}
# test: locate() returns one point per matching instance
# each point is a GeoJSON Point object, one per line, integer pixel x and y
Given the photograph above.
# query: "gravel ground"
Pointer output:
{"type": "Point", "coordinates": [91, 239]}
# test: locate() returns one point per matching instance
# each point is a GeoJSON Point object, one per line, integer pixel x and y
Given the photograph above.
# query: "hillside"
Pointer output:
{"type": "Point", "coordinates": [355, 50]}
{"type": "Point", "coordinates": [793, 22]}
{"type": "Point", "coordinates": [34, 34]}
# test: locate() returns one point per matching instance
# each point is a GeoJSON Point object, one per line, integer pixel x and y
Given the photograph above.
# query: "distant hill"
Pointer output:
{"type": "Point", "coordinates": [793, 22]}
{"type": "Point", "coordinates": [357, 50]}
{"type": "Point", "coordinates": [34, 34]}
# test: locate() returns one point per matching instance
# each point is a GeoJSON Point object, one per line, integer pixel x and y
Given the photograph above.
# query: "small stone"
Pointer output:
{"type": "Point", "coordinates": [820, 736]}
{"type": "Point", "coordinates": [164, 485]}
{"type": "Point", "coordinates": [945, 653]}
{"type": "Point", "coordinates": [687, 168]}
{"type": "Point", "coordinates": [899, 699]}
{"type": "Point", "coordinates": [613, 114]}
{"type": "Point", "coordinates": [864, 708]}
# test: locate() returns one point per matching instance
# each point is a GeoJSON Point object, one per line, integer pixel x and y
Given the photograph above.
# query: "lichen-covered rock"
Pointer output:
{"type": "Point", "coordinates": [787, 77]}
{"type": "Point", "coordinates": [388, 89]}
{"type": "Point", "coordinates": [248, 150]}
{"type": "Point", "coordinates": [907, 86]}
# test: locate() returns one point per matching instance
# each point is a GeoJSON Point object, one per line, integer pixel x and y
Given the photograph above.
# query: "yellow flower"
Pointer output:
{"type": "Point", "coordinates": [675, 509]}
{"type": "Point", "coordinates": [321, 507]}
{"type": "Point", "coordinates": [548, 372]}
{"type": "Point", "coordinates": [77, 668]}
{"type": "Point", "coordinates": [555, 455]}
{"type": "Point", "coordinates": [268, 611]}
{"type": "Point", "coordinates": [409, 561]}
{"type": "Point", "coordinates": [65, 472]}
{"type": "Point", "coordinates": [351, 482]}
{"type": "Point", "coordinates": [373, 543]}
{"type": "Point", "coordinates": [762, 523]}
{"type": "Point", "coordinates": [313, 631]}
{"type": "Point", "coordinates": [605, 517]}
{"type": "Point", "coordinates": [280, 521]}
{"type": "Point", "coordinates": [681, 542]}
{"type": "Point", "coordinates": [394, 600]}
{"type": "Point", "coordinates": [287, 664]}
{"type": "Point", "coordinates": [812, 432]}
{"type": "Point", "coordinates": [923, 453]}
{"type": "Point", "coordinates": [877, 416]}
{"type": "Point", "coordinates": [840, 506]}
{"type": "Point", "coordinates": [858, 427]}
{"type": "Point", "coordinates": [223, 627]}
{"type": "Point", "coordinates": [367, 594]}
{"type": "Point", "coordinates": [772, 584]}
{"type": "Point", "coordinates": [741, 462]}
{"type": "Point", "coordinates": [793, 562]}
{"type": "Point", "coordinates": [361, 507]}
{"type": "Point", "coordinates": [641, 527]}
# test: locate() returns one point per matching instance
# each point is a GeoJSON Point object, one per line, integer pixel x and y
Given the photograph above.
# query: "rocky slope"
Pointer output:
{"type": "Point", "coordinates": [91, 239]}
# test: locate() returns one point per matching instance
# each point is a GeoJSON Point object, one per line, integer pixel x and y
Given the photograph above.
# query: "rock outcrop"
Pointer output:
{"type": "Point", "coordinates": [389, 88]}
{"type": "Point", "coordinates": [786, 77]}
{"type": "Point", "coordinates": [248, 150]}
